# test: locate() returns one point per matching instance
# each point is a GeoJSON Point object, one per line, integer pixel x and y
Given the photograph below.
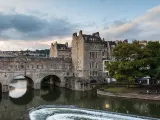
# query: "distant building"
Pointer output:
{"type": "Point", "coordinates": [60, 50]}
{"type": "Point", "coordinates": [17, 53]}
{"type": "Point", "coordinates": [144, 42]}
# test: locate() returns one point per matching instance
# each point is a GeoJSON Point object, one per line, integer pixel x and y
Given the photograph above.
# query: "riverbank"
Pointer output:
{"type": "Point", "coordinates": [129, 95]}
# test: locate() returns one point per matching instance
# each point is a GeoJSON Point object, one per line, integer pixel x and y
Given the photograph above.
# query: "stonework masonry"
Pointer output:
{"type": "Point", "coordinates": [60, 50]}
{"type": "Point", "coordinates": [76, 67]}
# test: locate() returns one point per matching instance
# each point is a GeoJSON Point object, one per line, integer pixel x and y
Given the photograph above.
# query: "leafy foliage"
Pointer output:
{"type": "Point", "coordinates": [132, 61]}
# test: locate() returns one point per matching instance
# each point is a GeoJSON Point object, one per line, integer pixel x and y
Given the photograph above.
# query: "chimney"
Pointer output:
{"type": "Point", "coordinates": [80, 32]}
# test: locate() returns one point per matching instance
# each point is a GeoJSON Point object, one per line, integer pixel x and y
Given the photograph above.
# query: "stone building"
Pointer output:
{"type": "Point", "coordinates": [60, 50]}
{"type": "Point", "coordinates": [88, 54]}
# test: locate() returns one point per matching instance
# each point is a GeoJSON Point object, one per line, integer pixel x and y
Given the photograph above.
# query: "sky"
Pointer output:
{"type": "Point", "coordinates": [35, 24]}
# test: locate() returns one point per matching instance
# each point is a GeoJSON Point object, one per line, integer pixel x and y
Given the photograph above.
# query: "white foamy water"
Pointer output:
{"type": "Point", "coordinates": [64, 113]}
{"type": "Point", "coordinates": [20, 89]}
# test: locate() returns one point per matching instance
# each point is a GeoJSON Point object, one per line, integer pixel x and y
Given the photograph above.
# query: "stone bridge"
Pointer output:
{"type": "Point", "coordinates": [35, 69]}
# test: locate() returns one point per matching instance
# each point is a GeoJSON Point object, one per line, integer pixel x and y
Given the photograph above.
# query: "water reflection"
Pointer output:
{"type": "Point", "coordinates": [18, 88]}
{"type": "Point", "coordinates": [17, 104]}
{"type": "Point", "coordinates": [25, 99]}
{"type": "Point", "coordinates": [50, 93]}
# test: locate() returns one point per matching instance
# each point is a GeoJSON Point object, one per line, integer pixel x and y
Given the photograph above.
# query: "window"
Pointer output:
{"type": "Point", "coordinates": [93, 73]}
{"type": "Point", "coordinates": [102, 53]}
{"type": "Point", "coordinates": [90, 54]}
{"type": "Point", "coordinates": [90, 66]}
{"type": "Point", "coordinates": [93, 55]}
{"type": "Point", "coordinates": [22, 66]}
{"type": "Point", "coordinates": [96, 65]}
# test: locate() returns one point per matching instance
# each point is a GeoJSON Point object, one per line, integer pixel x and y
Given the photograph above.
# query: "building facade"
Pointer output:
{"type": "Point", "coordinates": [60, 50]}
{"type": "Point", "coordinates": [88, 54]}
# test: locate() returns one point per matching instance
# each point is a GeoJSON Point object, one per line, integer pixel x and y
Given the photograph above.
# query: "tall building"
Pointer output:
{"type": "Point", "coordinates": [88, 54]}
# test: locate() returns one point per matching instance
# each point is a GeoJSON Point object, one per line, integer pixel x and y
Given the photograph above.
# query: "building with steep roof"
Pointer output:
{"type": "Point", "coordinates": [88, 54]}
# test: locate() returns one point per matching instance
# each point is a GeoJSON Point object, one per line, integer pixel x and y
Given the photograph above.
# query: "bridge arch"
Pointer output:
{"type": "Point", "coordinates": [28, 78]}
{"type": "Point", "coordinates": [51, 79]}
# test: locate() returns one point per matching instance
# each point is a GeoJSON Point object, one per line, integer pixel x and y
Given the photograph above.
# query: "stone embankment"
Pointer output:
{"type": "Point", "coordinates": [129, 95]}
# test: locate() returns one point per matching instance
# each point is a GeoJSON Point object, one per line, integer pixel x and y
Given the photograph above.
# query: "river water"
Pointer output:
{"type": "Point", "coordinates": [65, 104]}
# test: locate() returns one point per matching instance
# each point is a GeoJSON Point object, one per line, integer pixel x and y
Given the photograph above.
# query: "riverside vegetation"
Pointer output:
{"type": "Point", "coordinates": [134, 60]}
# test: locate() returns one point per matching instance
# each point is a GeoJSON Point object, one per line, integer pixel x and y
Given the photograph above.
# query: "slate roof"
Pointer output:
{"type": "Point", "coordinates": [61, 46]}
{"type": "Point", "coordinates": [88, 37]}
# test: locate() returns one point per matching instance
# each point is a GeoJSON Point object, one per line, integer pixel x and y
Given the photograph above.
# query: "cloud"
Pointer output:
{"type": "Point", "coordinates": [29, 27]}
{"type": "Point", "coordinates": [9, 45]}
{"type": "Point", "coordinates": [145, 27]}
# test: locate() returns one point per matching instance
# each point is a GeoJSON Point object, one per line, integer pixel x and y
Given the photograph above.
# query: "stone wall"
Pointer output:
{"type": "Point", "coordinates": [34, 68]}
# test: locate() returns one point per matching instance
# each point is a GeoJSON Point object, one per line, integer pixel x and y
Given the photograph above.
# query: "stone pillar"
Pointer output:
{"type": "Point", "coordinates": [37, 86]}
{"type": "Point", "coordinates": [37, 92]}
{"type": "Point", "coordinates": [5, 88]}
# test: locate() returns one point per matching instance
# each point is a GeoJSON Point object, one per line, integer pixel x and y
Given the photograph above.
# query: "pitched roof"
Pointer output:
{"type": "Point", "coordinates": [62, 46]}
{"type": "Point", "coordinates": [91, 38]}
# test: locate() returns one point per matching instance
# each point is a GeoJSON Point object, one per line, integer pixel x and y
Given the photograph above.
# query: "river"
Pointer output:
{"type": "Point", "coordinates": [87, 105]}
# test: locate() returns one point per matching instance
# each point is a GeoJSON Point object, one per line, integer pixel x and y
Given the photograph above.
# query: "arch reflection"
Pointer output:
{"type": "Point", "coordinates": [25, 99]}
{"type": "Point", "coordinates": [51, 80]}
{"type": "Point", "coordinates": [50, 93]}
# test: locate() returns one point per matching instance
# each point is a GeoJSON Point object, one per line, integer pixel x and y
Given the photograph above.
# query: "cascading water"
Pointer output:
{"type": "Point", "coordinates": [73, 113]}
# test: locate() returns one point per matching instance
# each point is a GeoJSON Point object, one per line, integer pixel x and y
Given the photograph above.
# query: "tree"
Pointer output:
{"type": "Point", "coordinates": [153, 48]}
{"type": "Point", "coordinates": [131, 62]}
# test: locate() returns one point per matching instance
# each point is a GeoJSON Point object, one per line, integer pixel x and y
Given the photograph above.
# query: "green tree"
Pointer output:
{"type": "Point", "coordinates": [131, 62]}
{"type": "Point", "coordinates": [153, 48]}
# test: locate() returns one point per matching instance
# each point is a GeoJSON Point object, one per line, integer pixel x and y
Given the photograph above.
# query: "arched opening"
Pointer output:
{"type": "Point", "coordinates": [20, 78]}
{"type": "Point", "coordinates": [19, 86]}
{"type": "Point", "coordinates": [93, 81]}
{"type": "Point", "coordinates": [30, 82]}
{"type": "Point", "coordinates": [50, 80]}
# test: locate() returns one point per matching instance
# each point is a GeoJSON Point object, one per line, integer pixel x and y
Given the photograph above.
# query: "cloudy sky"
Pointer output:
{"type": "Point", "coordinates": [34, 24]}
